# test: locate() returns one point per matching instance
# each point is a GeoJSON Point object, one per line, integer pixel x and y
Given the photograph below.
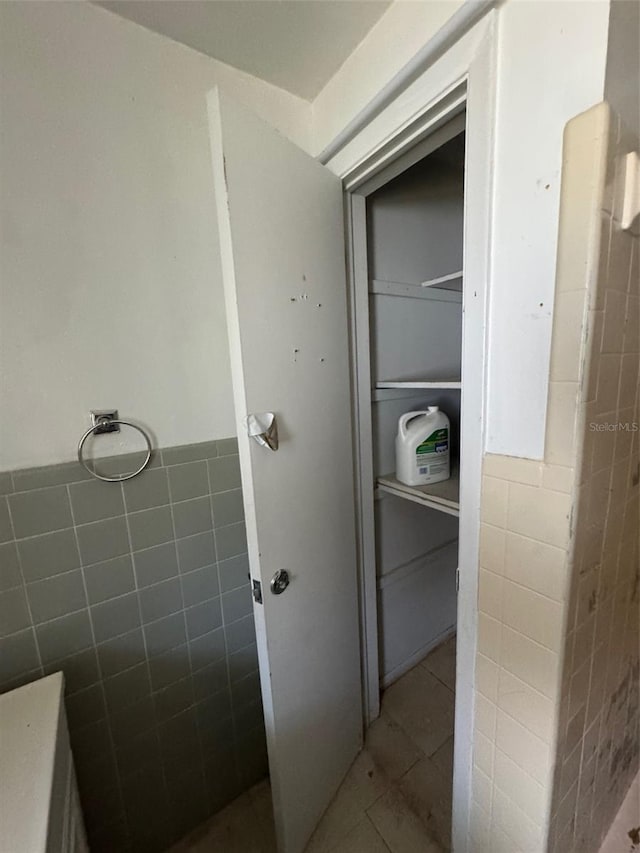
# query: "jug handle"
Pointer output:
{"type": "Point", "coordinates": [404, 420]}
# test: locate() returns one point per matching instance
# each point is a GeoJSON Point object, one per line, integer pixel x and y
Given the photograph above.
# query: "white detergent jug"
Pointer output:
{"type": "Point", "coordinates": [422, 447]}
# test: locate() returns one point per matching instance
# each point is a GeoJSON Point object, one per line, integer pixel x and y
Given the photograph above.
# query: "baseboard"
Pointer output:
{"type": "Point", "coordinates": [398, 671]}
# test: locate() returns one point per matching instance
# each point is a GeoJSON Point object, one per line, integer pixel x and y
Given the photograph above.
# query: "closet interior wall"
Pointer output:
{"type": "Point", "coordinates": [414, 236]}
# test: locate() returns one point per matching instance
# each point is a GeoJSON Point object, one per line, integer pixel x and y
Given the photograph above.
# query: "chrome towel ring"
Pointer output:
{"type": "Point", "coordinates": [104, 424]}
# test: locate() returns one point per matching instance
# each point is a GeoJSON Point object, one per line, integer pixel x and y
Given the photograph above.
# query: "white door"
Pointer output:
{"type": "Point", "coordinates": [280, 218]}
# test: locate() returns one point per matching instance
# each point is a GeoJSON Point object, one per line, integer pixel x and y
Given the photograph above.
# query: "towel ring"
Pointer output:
{"type": "Point", "coordinates": [93, 430]}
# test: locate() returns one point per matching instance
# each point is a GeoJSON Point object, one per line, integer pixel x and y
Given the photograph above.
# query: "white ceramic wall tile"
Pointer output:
{"type": "Point", "coordinates": [560, 438]}
{"type": "Point", "coordinates": [490, 594]}
{"type": "Point", "coordinates": [526, 793]}
{"type": "Point", "coordinates": [632, 330]}
{"type": "Point", "coordinates": [583, 174]}
{"type": "Point", "coordinates": [479, 828]}
{"type": "Point", "coordinates": [536, 565]}
{"type": "Point", "coordinates": [485, 717]}
{"type": "Point", "coordinates": [534, 615]}
{"type": "Point", "coordinates": [615, 309]}
{"type": "Point", "coordinates": [493, 508]}
{"type": "Point", "coordinates": [531, 662]}
{"type": "Point", "coordinates": [558, 478]}
{"type": "Point", "coordinates": [608, 378]}
{"type": "Point", "coordinates": [569, 315]}
{"type": "Point", "coordinates": [482, 789]}
{"type": "Point", "coordinates": [487, 674]}
{"type": "Point", "coordinates": [539, 514]}
{"type": "Point", "coordinates": [500, 842]}
{"type": "Point", "coordinates": [483, 749]}
{"type": "Point", "coordinates": [489, 637]}
{"type": "Point", "coordinates": [550, 596]}
{"type": "Point", "coordinates": [619, 265]}
{"type": "Point", "coordinates": [602, 660]}
{"type": "Point", "coordinates": [529, 706]}
{"type": "Point", "coordinates": [525, 833]}
{"type": "Point", "coordinates": [527, 750]}
{"type": "Point", "coordinates": [492, 548]}
{"type": "Point", "coordinates": [513, 469]}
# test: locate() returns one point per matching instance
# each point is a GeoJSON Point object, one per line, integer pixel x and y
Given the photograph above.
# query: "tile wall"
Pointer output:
{"type": "Point", "coordinates": [139, 593]}
{"type": "Point", "coordinates": [556, 737]}
{"type": "Point", "coordinates": [599, 726]}
{"type": "Point", "coordinates": [526, 511]}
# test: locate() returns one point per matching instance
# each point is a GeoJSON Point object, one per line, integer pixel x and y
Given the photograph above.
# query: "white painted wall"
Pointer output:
{"type": "Point", "coordinates": [550, 66]}
{"type": "Point", "coordinates": [622, 82]}
{"type": "Point", "coordinates": [399, 34]}
{"type": "Point", "coordinates": [111, 291]}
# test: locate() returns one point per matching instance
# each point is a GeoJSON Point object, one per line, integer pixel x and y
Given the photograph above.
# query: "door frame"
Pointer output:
{"type": "Point", "coordinates": [464, 80]}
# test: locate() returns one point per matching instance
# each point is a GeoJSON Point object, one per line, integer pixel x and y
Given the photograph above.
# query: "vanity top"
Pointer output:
{"type": "Point", "coordinates": [29, 725]}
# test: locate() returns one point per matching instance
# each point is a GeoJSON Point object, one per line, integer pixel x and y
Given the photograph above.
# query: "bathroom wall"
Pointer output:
{"type": "Point", "coordinates": [541, 80]}
{"type": "Point", "coordinates": [139, 593]}
{"type": "Point", "coordinates": [111, 289]}
{"type": "Point", "coordinates": [526, 506]}
{"type": "Point", "coordinates": [599, 728]}
{"type": "Point", "coordinates": [556, 742]}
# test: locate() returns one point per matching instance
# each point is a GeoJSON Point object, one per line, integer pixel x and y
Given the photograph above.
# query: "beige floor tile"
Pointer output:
{"type": "Point", "coordinates": [391, 748]}
{"type": "Point", "coordinates": [261, 802]}
{"type": "Point", "coordinates": [441, 662]}
{"type": "Point", "coordinates": [363, 784]}
{"type": "Point", "coordinates": [443, 759]}
{"type": "Point", "coordinates": [428, 794]}
{"type": "Point", "coordinates": [402, 830]}
{"type": "Point", "coordinates": [363, 838]}
{"type": "Point", "coordinates": [392, 791]}
{"type": "Point", "coordinates": [230, 831]}
{"type": "Point", "coordinates": [423, 707]}
{"type": "Point", "coordinates": [627, 819]}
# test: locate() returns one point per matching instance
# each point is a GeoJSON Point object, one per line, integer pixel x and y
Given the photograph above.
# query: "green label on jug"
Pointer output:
{"type": "Point", "coordinates": [437, 442]}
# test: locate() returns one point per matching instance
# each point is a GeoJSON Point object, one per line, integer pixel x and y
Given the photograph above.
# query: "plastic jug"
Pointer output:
{"type": "Point", "coordinates": [422, 447]}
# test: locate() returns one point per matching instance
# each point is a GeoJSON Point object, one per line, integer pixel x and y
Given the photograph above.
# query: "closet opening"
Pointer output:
{"type": "Point", "coordinates": [407, 242]}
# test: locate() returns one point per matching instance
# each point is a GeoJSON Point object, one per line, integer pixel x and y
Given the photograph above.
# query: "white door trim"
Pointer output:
{"type": "Point", "coordinates": [468, 72]}
{"type": "Point", "coordinates": [457, 26]}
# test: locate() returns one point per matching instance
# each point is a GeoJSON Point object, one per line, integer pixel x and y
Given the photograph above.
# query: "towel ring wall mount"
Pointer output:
{"type": "Point", "coordinates": [108, 421]}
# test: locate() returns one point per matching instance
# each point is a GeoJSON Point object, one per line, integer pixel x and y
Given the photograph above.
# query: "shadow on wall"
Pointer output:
{"type": "Point", "coordinates": [139, 593]}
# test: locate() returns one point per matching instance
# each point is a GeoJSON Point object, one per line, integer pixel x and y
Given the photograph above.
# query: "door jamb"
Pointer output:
{"type": "Point", "coordinates": [474, 91]}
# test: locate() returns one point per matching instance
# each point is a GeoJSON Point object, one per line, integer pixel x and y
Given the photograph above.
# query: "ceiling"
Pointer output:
{"type": "Point", "coordinates": [295, 44]}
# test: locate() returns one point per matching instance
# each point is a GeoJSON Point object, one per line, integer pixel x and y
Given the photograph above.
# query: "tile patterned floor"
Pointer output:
{"type": "Point", "coordinates": [396, 797]}
{"type": "Point", "coordinates": [623, 836]}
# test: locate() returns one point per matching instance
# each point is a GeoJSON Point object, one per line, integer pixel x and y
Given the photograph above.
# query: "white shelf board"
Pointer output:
{"type": "Point", "coordinates": [377, 287]}
{"type": "Point", "coordinates": [387, 391]}
{"type": "Point", "coordinates": [452, 282]}
{"type": "Point", "coordinates": [417, 383]}
{"type": "Point", "coordinates": [444, 496]}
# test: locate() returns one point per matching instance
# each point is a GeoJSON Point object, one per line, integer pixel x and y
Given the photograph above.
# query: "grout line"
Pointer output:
{"type": "Point", "coordinates": [125, 514]}
{"type": "Point", "coordinates": [201, 769]}
{"type": "Point", "coordinates": [26, 597]}
{"type": "Point", "coordinates": [86, 478]}
{"type": "Point", "coordinates": [121, 596]}
{"type": "Point", "coordinates": [147, 665]}
{"type": "Point", "coordinates": [226, 642]}
{"type": "Point", "coordinates": [559, 602]}
{"type": "Point", "coordinates": [101, 678]}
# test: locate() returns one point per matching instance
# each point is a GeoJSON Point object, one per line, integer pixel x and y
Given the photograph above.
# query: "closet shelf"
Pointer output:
{"type": "Point", "coordinates": [416, 383]}
{"type": "Point", "coordinates": [452, 282]}
{"type": "Point", "coordinates": [426, 290]}
{"type": "Point", "coordinates": [444, 496]}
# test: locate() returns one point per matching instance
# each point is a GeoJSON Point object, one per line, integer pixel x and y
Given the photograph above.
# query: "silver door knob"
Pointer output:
{"type": "Point", "coordinates": [280, 581]}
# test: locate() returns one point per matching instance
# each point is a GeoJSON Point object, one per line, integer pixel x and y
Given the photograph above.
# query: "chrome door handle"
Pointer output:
{"type": "Point", "coordinates": [263, 428]}
{"type": "Point", "coordinates": [279, 582]}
